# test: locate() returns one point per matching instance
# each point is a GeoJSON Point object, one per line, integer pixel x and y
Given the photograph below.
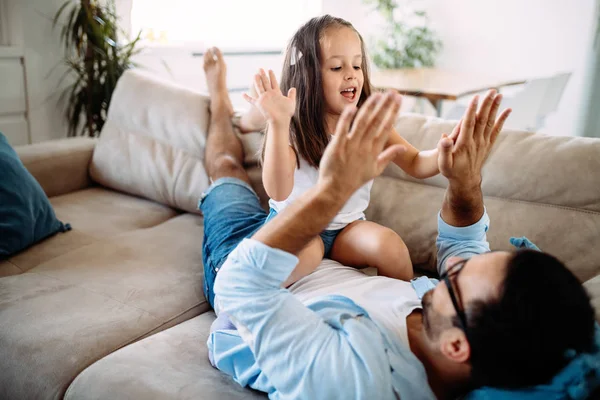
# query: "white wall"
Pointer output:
{"type": "Point", "coordinates": [517, 38]}
{"type": "Point", "coordinates": [520, 38]}
{"type": "Point", "coordinates": [186, 70]}
{"type": "Point", "coordinates": [31, 28]}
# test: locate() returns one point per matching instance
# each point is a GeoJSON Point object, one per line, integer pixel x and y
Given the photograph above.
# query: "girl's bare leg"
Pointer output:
{"type": "Point", "coordinates": [367, 244]}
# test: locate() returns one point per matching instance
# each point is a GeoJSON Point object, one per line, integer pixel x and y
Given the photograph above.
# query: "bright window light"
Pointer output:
{"type": "Point", "coordinates": [229, 24]}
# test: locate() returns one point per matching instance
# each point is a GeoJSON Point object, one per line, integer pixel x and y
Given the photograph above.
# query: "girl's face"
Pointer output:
{"type": "Point", "coordinates": [341, 60]}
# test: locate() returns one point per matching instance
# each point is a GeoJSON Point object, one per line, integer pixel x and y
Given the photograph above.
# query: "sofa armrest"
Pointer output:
{"type": "Point", "coordinates": [60, 166]}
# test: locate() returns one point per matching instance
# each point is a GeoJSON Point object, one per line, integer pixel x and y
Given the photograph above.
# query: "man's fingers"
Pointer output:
{"type": "Point", "coordinates": [388, 155]}
{"type": "Point", "coordinates": [499, 124]}
{"type": "Point", "coordinates": [249, 99]}
{"type": "Point", "coordinates": [364, 115]}
{"type": "Point", "coordinates": [492, 118]}
{"type": "Point", "coordinates": [468, 124]}
{"type": "Point", "coordinates": [483, 114]}
{"type": "Point", "coordinates": [273, 79]}
{"type": "Point", "coordinates": [445, 153]}
{"type": "Point", "coordinates": [343, 125]}
{"type": "Point", "coordinates": [380, 116]}
{"type": "Point", "coordinates": [456, 131]}
{"type": "Point", "coordinates": [384, 129]}
{"type": "Point", "coordinates": [258, 84]}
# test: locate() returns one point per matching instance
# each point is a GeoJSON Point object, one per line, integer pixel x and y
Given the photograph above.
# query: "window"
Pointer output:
{"type": "Point", "coordinates": [229, 24]}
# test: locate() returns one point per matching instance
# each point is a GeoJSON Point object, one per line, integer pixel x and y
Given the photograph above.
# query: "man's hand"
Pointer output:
{"type": "Point", "coordinates": [351, 159]}
{"type": "Point", "coordinates": [462, 155]}
{"type": "Point", "coordinates": [356, 155]}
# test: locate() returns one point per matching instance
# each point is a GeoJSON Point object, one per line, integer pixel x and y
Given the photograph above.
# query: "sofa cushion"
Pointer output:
{"type": "Point", "coordinates": [76, 308]}
{"type": "Point", "coordinates": [26, 215]}
{"type": "Point", "coordinates": [61, 165]}
{"type": "Point", "coordinates": [152, 144]}
{"type": "Point", "coordinates": [96, 214]}
{"type": "Point", "coordinates": [172, 364]}
{"type": "Point", "coordinates": [411, 209]}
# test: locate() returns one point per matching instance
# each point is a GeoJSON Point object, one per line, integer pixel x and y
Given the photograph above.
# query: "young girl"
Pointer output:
{"type": "Point", "coordinates": [325, 70]}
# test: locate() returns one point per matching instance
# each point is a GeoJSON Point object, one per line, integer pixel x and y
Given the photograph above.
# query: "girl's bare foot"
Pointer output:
{"type": "Point", "coordinates": [215, 70]}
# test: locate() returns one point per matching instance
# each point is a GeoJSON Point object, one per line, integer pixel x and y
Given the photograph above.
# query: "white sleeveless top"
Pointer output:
{"type": "Point", "coordinates": [306, 177]}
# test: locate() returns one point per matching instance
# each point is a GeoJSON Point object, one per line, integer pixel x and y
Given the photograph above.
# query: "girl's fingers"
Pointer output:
{"type": "Point", "coordinates": [249, 99]}
{"type": "Point", "coordinates": [292, 94]}
{"type": "Point", "coordinates": [265, 80]}
{"type": "Point", "coordinates": [258, 84]}
{"type": "Point", "coordinates": [273, 79]}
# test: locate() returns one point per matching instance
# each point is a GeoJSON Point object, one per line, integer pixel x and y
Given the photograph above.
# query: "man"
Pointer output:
{"type": "Point", "coordinates": [497, 318]}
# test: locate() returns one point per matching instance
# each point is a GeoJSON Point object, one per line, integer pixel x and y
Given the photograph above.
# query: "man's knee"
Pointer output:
{"type": "Point", "coordinates": [224, 164]}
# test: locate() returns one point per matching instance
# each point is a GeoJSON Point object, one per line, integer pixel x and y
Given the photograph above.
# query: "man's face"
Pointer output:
{"type": "Point", "coordinates": [480, 279]}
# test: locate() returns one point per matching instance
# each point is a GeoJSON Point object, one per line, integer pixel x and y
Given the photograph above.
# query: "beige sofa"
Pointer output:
{"type": "Point", "coordinates": [114, 308]}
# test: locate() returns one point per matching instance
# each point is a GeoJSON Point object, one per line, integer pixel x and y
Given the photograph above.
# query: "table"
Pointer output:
{"type": "Point", "coordinates": [436, 85]}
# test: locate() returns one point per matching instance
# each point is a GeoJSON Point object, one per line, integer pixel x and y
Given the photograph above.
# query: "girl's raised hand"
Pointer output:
{"type": "Point", "coordinates": [275, 107]}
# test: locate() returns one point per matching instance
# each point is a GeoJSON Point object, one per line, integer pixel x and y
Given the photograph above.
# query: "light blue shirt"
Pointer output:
{"type": "Point", "coordinates": [327, 349]}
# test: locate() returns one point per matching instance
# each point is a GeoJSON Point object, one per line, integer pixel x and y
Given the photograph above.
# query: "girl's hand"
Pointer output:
{"type": "Point", "coordinates": [275, 107]}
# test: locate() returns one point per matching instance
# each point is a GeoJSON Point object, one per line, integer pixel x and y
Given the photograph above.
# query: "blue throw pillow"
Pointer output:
{"type": "Point", "coordinates": [26, 216]}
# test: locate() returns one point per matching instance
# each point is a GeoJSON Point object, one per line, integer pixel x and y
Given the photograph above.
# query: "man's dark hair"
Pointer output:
{"type": "Point", "coordinates": [522, 338]}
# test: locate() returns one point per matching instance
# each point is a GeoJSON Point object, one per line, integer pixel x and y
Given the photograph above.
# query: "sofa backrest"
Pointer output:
{"type": "Point", "coordinates": [543, 187]}
{"type": "Point", "coordinates": [546, 188]}
{"type": "Point", "coordinates": [152, 144]}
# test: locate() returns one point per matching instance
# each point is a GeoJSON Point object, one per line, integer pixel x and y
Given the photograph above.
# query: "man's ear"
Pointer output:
{"type": "Point", "coordinates": [454, 345]}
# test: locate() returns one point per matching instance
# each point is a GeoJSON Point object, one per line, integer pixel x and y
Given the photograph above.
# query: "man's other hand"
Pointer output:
{"type": "Point", "coordinates": [356, 154]}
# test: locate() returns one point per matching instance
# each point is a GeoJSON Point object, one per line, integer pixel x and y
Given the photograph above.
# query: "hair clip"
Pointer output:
{"type": "Point", "coordinates": [296, 55]}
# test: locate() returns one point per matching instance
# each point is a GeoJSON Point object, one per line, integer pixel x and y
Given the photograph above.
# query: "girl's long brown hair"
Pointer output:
{"type": "Point", "coordinates": [302, 70]}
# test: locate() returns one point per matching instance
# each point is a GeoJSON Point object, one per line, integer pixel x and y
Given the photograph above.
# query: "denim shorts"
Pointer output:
{"type": "Point", "coordinates": [232, 212]}
{"type": "Point", "coordinates": [327, 236]}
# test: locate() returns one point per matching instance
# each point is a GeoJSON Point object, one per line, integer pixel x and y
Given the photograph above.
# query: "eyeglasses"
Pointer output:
{"type": "Point", "coordinates": [452, 272]}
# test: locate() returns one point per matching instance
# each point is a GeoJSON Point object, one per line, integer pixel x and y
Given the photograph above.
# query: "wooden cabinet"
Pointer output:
{"type": "Point", "coordinates": [14, 122]}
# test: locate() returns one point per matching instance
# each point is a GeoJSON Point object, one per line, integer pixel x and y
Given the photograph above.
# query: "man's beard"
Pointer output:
{"type": "Point", "coordinates": [427, 311]}
{"type": "Point", "coordinates": [433, 322]}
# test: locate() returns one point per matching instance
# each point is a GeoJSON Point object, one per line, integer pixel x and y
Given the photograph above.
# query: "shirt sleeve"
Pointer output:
{"type": "Point", "coordinates": [464, 242]}
{"type": "Point", "coordinates": [302, 354]}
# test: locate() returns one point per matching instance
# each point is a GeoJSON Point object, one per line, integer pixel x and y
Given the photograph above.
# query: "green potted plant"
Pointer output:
{"type": "Point", "coordinates": [96, 58]}
{"type": "Point", "coordinates": [409, 42]}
